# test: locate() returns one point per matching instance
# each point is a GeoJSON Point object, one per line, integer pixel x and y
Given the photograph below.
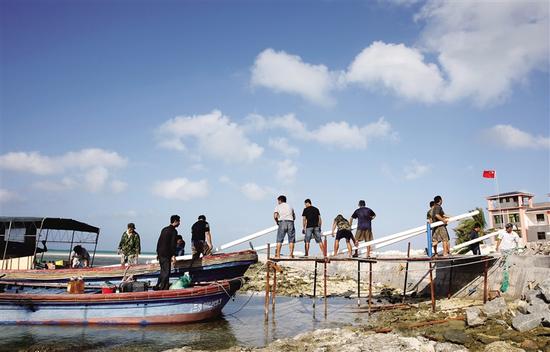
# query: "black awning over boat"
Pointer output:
{"type": "Point", "coordinates": [46, 223]}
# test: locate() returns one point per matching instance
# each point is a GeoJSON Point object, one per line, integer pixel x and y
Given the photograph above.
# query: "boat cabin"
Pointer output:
{"type": "Point", "coordinates": [24, 240]}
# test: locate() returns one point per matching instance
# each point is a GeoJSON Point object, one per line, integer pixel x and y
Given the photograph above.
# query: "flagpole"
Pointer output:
{"type": "Point", "coordinates": [498, 201]}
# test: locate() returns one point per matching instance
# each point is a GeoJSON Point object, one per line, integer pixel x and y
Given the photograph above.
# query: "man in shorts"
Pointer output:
{"type": "Point", "coordinates": [284, 218]}
{"type": "Point", "coordinates": [201, 238]}
{"type": "Point", "coordinates": [311, 225]}
{"type": "Point", "coordinates": [440, 233]}
{"type": "Point", "coordinates": [364, 216]}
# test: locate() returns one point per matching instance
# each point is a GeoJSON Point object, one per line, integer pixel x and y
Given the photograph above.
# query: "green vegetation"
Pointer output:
{"type": "Point", "coordinates": [465, 227]}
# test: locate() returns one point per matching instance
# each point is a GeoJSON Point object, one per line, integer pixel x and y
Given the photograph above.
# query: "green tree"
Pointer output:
{"type": "Point", "coordinates": [466, 226]}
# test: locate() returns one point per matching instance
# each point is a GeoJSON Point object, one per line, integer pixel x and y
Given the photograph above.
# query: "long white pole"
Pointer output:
{"type": "Point", "coordinates": [479, 239]}
{"type": "Point", "coordinates": [245, 239]}
{"type": "Point", "coordinates": [298, 239]}
{"type": "Point", "coordinates": [400, 236]}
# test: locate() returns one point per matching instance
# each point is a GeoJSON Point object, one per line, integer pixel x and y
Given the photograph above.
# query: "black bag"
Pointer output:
{"type": "Point", "coordinates": [133, 286]}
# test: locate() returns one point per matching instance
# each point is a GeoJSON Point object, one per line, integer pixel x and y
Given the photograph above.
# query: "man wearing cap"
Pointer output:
{"type": "Point", "coordinates": [129, 247]}
{"type": "Point", "coordinates": [201, 239]}
{"type": "Point", "coordinates": [507, 240]}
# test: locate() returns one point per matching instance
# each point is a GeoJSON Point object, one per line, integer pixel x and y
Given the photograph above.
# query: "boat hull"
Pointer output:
{"type": "Point", "coordinates": [209, 268]}
{"type": "Point", "coordinates": [137, 308]}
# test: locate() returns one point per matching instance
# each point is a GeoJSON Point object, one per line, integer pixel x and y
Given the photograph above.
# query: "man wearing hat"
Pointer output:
{"type": "Point", "coordinates": [201, 239]}
{"type": "Point", "coordinates": [507, 240]}
{"type": "Point", "coordinates": [129, 247]}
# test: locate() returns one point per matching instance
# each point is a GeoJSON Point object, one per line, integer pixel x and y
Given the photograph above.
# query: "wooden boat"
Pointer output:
{"type": "Point", "coordinates": [19, 238]}
{"type": "Point", "coordinates": [209, 268]}
{"type": "Point", "coordinates": [198, 303]}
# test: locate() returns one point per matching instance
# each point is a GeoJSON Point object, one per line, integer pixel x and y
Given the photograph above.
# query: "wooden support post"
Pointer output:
{"type": "Point", "coordinates": [432, 289]}
{"type": "Point", "coordinates": [406, 272]}
{"type": "Point", "coordinates": [325, 278]}
{"type": "Point", "coordinates": [274, 291]}
{"type": "Point", "coordinates": [449, 292]}
{"type": "Point", "coordinates": [485, 285]}
{"type": "Point", "coordinates": [267, 268]}
{"type": "Point", "coordinates": [370, 287]}
{"type": "Point", "coordinates": [315, 285]}
{"type": "Point", "coordinates": [359, 283]}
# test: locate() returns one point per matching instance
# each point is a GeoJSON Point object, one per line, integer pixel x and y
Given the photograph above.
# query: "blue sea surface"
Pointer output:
{"type": "Point", "coordinates": [242, 323]}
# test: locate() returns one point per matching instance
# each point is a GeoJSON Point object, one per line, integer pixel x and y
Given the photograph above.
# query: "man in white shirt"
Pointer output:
{"type": "Point", "coordinates": [284, 218]}
{"type": "Point", "coordinates": [507, 240]}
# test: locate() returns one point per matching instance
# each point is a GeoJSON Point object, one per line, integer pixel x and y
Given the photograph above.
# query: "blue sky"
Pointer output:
{"type": "Point", "coordinates": [116, 112]}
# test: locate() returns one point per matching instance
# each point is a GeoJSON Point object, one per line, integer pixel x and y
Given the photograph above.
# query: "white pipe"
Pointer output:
{"type": "Point", "coordinates": [402, 235]}
{"type": "Point", "coordinates": [384, 244]}
{"type": "Point", "coordinates": [298, 239]}
{"type": "Point", "coordinates": [245, 239]}
{"type": "Point", "coordinates": [479, 239]}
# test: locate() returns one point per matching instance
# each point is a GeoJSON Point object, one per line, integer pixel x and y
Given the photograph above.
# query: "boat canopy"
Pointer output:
{"type": "Point", "coordinates": [45, 223]}
{"type": "Point", "coordinates": [20, 236]}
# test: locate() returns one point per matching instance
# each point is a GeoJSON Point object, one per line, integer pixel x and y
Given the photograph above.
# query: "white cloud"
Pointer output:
{"type": "Point", "coordinates": [215, 136]}
{"type": "Point", "coordinates": [88, 167]}
{"type": "Point", "coordinates": [225, 180]}
{"type": "Point", "coordinates": [286, 171]}
{"type": "Point", "coordinates": [32, 162]}
{"type": "Point", "coordinates": [507, 136]}
{"type": "Point", "coordinates": [36, 163]}
{"type": "Point", "coordinates": [7, 196]}
{"type": "Point", "coordinates": [338, 134]}
{"type": "Point", "coordinates": [468, 49]}
{"type": "Point", "coordinates": [66, 183]}
{"type": "Point", "coordinates": [118, 186]}
{"type": "Point", "coordinates": [415, 169]}
{"type": "Point", "coordinates": [181, 189]}
{"type": "Point", "coordinates": [287, 73]}
{"type": "Point", "coordinates": [486, 47]}
{"type": "Point", "coordinates": [281, 145]}
{"type": "Point", "coordinates": [95, 179]}
{"type": "Point", "coordinates": [255, 192]}
{"type": "Point", "coordinates": [397, 68]}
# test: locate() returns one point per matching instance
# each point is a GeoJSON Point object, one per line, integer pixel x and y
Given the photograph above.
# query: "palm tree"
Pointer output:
{"type": "Point", "coordinates": [466, 226]}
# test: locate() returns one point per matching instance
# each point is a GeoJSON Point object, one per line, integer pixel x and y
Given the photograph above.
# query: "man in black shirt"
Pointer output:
{"type": "Point", "coordinates": [474, 247]}
{"type": "Point", "coordinates": [201, 239]}
{"type": "Point", "coordinates": [166, 252]}
{"type": "Point", "coordinates": [440, 233]}
{"type": "Point", "coordinates": [311, 225]}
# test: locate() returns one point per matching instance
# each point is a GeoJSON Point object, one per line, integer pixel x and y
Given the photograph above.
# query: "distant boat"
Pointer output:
{"type": "Point", "coordinates": [198, 303]}
{"type": "Point", "coordinates": [19, 238]}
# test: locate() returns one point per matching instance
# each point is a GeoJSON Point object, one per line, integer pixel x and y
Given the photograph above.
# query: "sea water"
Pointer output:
{"type": "Point", "coordinates": [242, 323]}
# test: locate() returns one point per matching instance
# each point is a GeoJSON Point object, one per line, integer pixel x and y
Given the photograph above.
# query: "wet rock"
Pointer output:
{"type": "Point", "coordinates": [486, 339]}
{"type": "Point", "coordinates": [526, 322]}
{"type": "Point", "coordinates": [537, 305]}
{"type": "Point", "coordinates": [495, 308]}
{"type": "Point", "coordinates": [522, 306]}
{"type": "Point", "coordinates": [529, 345]}
{"type": "Point", "coordinates": [545, 289]}
{"type": "Point", "coordinates": [474, 317]}
{"type": "Point", "coordinates": [456, 336]}
{"type": "Point", "coordinates": [501, 346]}
{"type": "Point", "coordinates": [530, 295]}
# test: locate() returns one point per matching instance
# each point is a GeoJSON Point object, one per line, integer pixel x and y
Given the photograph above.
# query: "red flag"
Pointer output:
{"type": "Point", "coordinates": [489, 173]}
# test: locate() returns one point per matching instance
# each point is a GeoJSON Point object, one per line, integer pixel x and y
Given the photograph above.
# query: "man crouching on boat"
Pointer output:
{"type": "Point", "coordinates": [201, 239]}
{"type": "Point", "coordinates": [166, 252]}
{"type": "Point", "coordinates": [80, 258]}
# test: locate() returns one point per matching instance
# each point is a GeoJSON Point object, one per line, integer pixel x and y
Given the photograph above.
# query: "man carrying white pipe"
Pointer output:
{"type": "Point", "coordinates": [311, 225]}
{"type": "Point", "coordinates": [440, 233]}
{"type": "Point", "coordinates": [284, 218]}
{"type": "Point", "coordinates": [364, 216]}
